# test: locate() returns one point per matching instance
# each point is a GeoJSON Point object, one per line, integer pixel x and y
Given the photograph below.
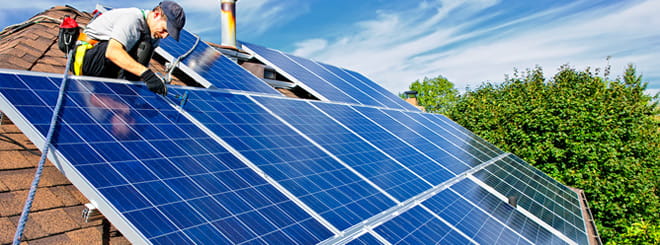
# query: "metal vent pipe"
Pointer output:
{"type": "Point", "coordinates": [228, 22]}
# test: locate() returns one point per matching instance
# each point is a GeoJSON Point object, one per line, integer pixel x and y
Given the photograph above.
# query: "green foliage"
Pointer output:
{"type": "Point", "coordinates": [641, 232]}
{"type": "Point", "coordinates": [582, 129]}
{"type": "Point", "coordinates": [435, 94]}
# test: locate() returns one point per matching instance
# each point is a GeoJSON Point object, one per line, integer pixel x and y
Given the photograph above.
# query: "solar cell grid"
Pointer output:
{"type": "Point", "coordinates": [381, 90]}
{"type": "Point", "coordinates": [471, 220]}
{"type": "Point", "coordinates": [417, 226]}
{"type": "Point", "coordinates": [409, 157]}
{"type": "Point", "coordinates": [304, 77]}
{"type": "Point", "coordinates": [358, 154]}
{"type": "Point", "coordinates": [439, 149]}
{"type": "Point", "coordinates": [221, 73]}
{"type": "Point", "coordinates": [541, 202]}
{"type": "Point", "coordinates": [365, 239]}
{"type": "Point", "coordinates": [432, 122]}
{"type": "Point", "coordinates": [335, 81]}
{"type": "Point", "coordinates": [318, 180]}
{"type": "Point", "coordinates": [442, 137]}
{"type": "Point", "coordinates": [505, 213]}
{"type": "Point", "coordinates": [138, 171]}
{"type": "Point", "coordinates": [386, 99]}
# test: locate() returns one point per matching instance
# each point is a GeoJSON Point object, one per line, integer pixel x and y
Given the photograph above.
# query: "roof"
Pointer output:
{"type": "Point", "coordinates": [55, 217]}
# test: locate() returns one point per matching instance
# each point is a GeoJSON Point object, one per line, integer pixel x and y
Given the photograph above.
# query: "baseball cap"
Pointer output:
{"type": "Point", "coordinates": [176, 18]}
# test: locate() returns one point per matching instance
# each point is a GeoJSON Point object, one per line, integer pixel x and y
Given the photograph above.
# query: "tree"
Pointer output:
{"type": "Point", "coordinates": [582, 129]}
{"type": "Point", "coordinates": [435, 94]}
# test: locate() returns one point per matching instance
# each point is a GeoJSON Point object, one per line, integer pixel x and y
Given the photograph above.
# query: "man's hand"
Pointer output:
{"type": "Point", "coordinates": [154, 83]}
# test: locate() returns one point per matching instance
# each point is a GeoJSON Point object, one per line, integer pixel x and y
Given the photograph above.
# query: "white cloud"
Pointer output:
{"type": "Point", "coordinates": [309, 47]}
{"type": "Point", "coordinates": [397, 48]}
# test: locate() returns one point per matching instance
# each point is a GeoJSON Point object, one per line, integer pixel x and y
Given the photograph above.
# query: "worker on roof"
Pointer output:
{"type": "Point", "coordinates": [119, 43]}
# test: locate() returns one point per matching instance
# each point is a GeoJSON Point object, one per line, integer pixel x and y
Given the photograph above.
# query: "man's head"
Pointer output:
{"type": "Point", "coordinates": [166, 19]}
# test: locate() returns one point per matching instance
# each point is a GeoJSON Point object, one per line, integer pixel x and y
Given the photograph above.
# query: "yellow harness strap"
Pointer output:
{"type": "Point", "coordinates": [80, 55]}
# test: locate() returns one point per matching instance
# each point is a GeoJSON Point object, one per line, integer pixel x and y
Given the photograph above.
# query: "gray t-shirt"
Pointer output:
{"type": "Point", "coordinates": [124, 25]}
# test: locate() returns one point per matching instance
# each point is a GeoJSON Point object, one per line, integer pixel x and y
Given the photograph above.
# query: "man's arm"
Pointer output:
{"type": "Point", "coordinates": [118, 55]}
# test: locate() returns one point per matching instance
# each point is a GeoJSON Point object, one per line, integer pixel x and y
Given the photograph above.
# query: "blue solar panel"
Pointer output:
{"type": "Point", "coordinates": [318, 180]}
{"type": "Point", "coordinates": [440, 123]}
{"type": "Point", "coordinates": [152, 172]}
{"type": "Point", "coordinates": [358, 95]}
{"type": "Point", "coordinates": [438, 148]}
{"type": "Point", "coordinates": [471, 220]}
{"type": "Point", "coordinates": [365, 239]}
{"type": "Point", "coordinates": [416, 161]}
{"type": "Point", "coordinates": [221, 72]}
{"type": "Point", "coordinates": [383, 96]}
{"type": "Point", "coordinates": [417, 226]}
{"type": "Point", "coordinates": [505, 213]}
{"type": "Point", "coordinates": [366, 159]}
{"type": "Point", "coordinates": [303, 77]}
{"type": "Point", "coordinates": [381, 90]}
{"type": "Point", "coordinates": [329, 82]}
{"type": "Point", "coordinates": [541, 196]}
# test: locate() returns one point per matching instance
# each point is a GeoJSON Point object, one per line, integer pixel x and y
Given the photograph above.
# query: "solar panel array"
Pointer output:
{"type": "Point", "coordinates": [240, 168]}
{"type": "Point", "coordinates": [327, 82]}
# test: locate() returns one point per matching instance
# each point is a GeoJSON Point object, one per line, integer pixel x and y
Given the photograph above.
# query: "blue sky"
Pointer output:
{"type": "Point", "coordinates": [398, 42]}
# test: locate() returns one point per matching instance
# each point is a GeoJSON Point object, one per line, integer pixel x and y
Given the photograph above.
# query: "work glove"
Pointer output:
{"type": "Point", "coordinates": [154, 83]}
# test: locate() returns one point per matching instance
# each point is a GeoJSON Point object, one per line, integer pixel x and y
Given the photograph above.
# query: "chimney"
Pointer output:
{"type": "Point", "coordinates": [228, 23]}
{"type": "Point", "coordinates": [411, 97]}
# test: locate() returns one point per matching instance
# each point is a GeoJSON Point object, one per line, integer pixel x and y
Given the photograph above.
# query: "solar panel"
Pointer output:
{"type": "Point", "coordinates": [417, 162]}
{"type": "Point", "coordinates": [298, 74]}
{"type": "Point", "coordinates": [543, 197]}
{"type": "Point", "coordinates": [328, 82]}
{"type": "Point", "coordinates": [223, 167]}
{"type": "Point", "coordinates": [327, 186]}
{"type": "Point", "coordinates": [152, 172]}
{"type": "Point", "coordinates": [373, 85]}
{"type": "Point", "coordinates": [208, 67]}
{"type": "Point", "coordinates": [374, 90]}
{"type": "Point", "coordinates": [384, 171]}
{"type": "Point", "coordinates": [335, 81]}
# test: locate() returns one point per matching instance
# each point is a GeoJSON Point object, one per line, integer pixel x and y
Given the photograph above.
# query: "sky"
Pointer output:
{"type": "Point", "coordinates": [398, 42]}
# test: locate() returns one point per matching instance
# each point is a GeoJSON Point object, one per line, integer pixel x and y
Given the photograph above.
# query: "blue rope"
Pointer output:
{"type": "Point", "coordinates": [37, 176]}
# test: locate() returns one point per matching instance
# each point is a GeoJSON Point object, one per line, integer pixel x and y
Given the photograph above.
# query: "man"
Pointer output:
{"type": "Point", "coordinates": [119, 43]}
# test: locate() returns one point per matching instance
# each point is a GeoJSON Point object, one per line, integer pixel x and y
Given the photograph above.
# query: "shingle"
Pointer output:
{"type": "Point", "coordinates": [64, 195]}
{"type": "Point", "coordinates": [10, 141]}
{"type": "Point", "coordinates": [8, 229]}
{"type": "Point", "coordinates": [60, 239]}
{"type": "Point", "coordinates": [14, 160]}
{"type": "Point", "coordinates": [44, 199]}
{"type": "Point", "coordinates": [54, 221]}
{"type": "Point", "coordinates": [32, 229]}
{"type": "Point", "coordinates": [90, 235]}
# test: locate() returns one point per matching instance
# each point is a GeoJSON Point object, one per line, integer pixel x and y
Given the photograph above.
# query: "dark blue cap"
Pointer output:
{"type": "Point", "coordinates": [176, 18]}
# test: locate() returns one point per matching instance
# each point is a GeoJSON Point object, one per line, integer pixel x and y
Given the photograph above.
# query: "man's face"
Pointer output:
{"type": "Point", "coordinates": [158, 26]}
